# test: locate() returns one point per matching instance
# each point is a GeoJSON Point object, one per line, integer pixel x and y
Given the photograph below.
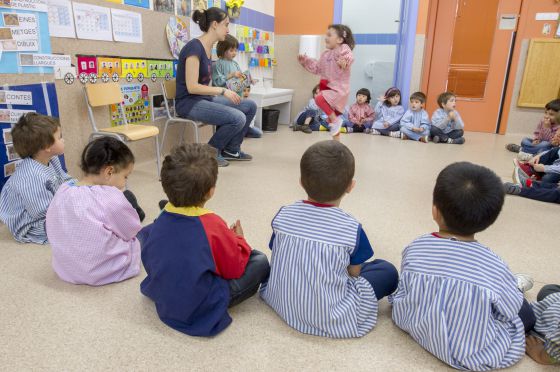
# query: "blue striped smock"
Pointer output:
{"type": "Point", "coordinates": [460, 302]}
{"type": "Point", "coordinates": [547, 313]}
{"type": "Point", "coordinates": [26, 196]}
{"type": "Point", "coordinates": [309, 285]}
{"type": "Point", "coordinates": [387, 114]}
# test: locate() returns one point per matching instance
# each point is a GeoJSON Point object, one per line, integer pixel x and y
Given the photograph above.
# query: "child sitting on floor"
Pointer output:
{"type": "Point", "coordinates": [196, 265]}
{"type": "Point", "coordinates": [360, 114]}
{"type": "Point", "coordinates": [543, 136]}
{"type": "Point", "coordinates": [544, 347]}
{"type": "Point", "coordinates": [91, 224]}
{"type": "Point", "coordinates": [28, 192]}
{"type": "Point", "coordinates": [388, 114]}
{"type": "Point", "coordinates": [447, 125]}
{"type": "Point", "coordinates": [319, 282]}
{"type": "Point", "coordinates": [311, 118]}
{"type": "Point", "coordinates": [544, 167]}
{"type": "Point", "coordinates": [415, 123]}
{"type": "Point", "coordinates": [456, 297]}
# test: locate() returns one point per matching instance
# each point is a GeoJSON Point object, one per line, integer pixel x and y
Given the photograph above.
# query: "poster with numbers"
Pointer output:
{"type": "Point", "coordinates": [127, 26]}
{"type": "Point", "coordinates": [61, 18]}
{"type": "Point", "coordinates": [92, 22]}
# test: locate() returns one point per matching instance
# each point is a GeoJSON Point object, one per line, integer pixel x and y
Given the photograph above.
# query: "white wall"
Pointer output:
{"type": "Point", "coordinates": [263, 6]}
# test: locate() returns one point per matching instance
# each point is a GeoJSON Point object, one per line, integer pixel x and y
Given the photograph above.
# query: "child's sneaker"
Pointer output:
{"type": "Point", "coordinates": [368, 130]}
{"type": "Point", "coordinates": [512, 188]}
{"type": "Point", "coordinates": [519, 176]}
{"type": "Point", "coordinates": [306, 129]}
{"type": "Point", "coordinates": [335, 126]}
{"type": "Point", "coordinates": [424, 139]}
{"type": "Point", "coordinates": [323, 129]}
{"type": "Point", "coordinates": [456, 141]}
{"type": "Point", "coordinates": [513, 147]}
{"type": "Point", "coordinates": [395, 134]}
{"type": "Point", "coordinates": [436, 139]}
{"type": "Point", "coordinates": [346, 130]}
{"type": "Point", "coordinates": [524, 282]}
{"type": "Point", "coordinates": [403, 136]}
{"type": "Point", "coordinates": [524, 156]}
{"type": "Point", "coordinates": [375, 132]}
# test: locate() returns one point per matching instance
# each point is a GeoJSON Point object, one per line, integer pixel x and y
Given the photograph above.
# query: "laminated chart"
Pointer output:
{"type": "Point", "coordinates": [127, 26]}
{"type": "Point", "coordinates": [136, 105]}
{"type": "Point", "coordinates": [134, 68]}
{"type": "Point", "coordinates": [160, 69]}
{"type": "Point", "coordinates": [24, 27]}
{"type": "Point", "coordinates": [16, 100]}
{"type": "Point", "coordinates": [92, 22]}
{"type": "Point", "coordinates": [109, 68]}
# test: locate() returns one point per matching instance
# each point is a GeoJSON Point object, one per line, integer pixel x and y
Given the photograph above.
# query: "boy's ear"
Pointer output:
{"type": "Point", "coordinates": [351, 187]}
{"type": "Point", "coordinates": [210, 193]}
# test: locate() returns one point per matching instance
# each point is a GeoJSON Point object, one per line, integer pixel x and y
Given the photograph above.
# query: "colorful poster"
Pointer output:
{"type": "Point", "coordinates": [200, 5]}
{"type": "Point", "coordinates": [61, 19]}
{"type": "Point", "coordinates": [138, 3]}
{"type": "Point", "coordinates": [134, 68]}
{"type": "Point", "coordinates": [92, 22]}
{"type": "Point", "coordinates": [23, 31]}
{"type": "Point", "coordinates": [127, 26]}
{"type": "Point", "coordinates": [177, 32]}
{"type": "Point", "coordinates": [39, 98]}
{"type": "Point", "coordinates": [136, 105]}
{"type": "Point", "coordinates": [165, 6]}
{"type": "Point", "coordinates": [109, 67]}
{"type": "Point", "coordinates": [160, 69]}
{"type": "Point", "coordinates": [183, 8]}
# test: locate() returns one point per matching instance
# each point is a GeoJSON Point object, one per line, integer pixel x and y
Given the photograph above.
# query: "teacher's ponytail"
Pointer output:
{"type": "Point", "coordinates": [204, 18]}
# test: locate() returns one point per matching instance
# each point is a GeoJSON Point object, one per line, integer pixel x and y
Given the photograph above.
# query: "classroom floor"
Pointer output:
{"type": "Point", "coordinates": [48, 324]}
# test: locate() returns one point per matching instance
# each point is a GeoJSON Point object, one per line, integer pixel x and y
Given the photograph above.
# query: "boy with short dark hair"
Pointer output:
{"type": "Point", "coordinates": [546, 134]}
{"type": "Point", "coordinates": [456, 297]}
{"type": "Point", "coordinates": [415, 123]}
{"type": "Point", "coordinates": [447, 125]}
{"type": "Point", "coordinates": [197, 267]}
{"type": "Point", "coordinates": [27, 194]}
{"type": "Point", "coordinates": [320, 283]}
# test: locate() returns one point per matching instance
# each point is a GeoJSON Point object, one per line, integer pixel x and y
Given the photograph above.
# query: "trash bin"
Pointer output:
{"type": "Point", "coordinates": [270, 120]}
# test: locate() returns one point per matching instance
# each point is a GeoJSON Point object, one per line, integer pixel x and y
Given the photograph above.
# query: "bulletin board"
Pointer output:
{"type": "Point", "coordinates": [541, 78]}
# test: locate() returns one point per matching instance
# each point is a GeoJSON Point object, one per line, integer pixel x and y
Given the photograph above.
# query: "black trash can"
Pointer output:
{"type": "Point", "coordinates": [270, 120]}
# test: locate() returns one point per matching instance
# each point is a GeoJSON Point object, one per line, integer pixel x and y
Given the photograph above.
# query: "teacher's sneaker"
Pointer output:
{"type": "Point", "coordinates": [524, 282]}
{"type": "Point", "coordinates": [236, 156]}
{"type": "Point", "coordinates": [335, 126]}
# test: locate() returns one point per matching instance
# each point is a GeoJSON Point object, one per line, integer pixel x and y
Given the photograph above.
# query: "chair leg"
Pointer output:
{"type": "Point", "coordinates": [163, 136]}
{"type": "Point", "coordinates": [158, 156]}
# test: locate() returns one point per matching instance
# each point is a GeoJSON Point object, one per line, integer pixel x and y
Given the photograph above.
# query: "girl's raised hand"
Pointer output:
{"type": "Point", "coordinates": [382, 98]}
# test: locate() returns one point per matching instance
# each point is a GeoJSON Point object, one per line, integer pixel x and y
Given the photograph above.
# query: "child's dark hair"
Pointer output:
{"type": "Point", "coordinates": [315, 90]}
{"type": "Point", "coordinates": [205, 17]}
{"type": "Point", "coordinates": [327, 169]}
{"type": "Point", "coordinates": [345, 33]}
{"type": "Point", "coordinates": [553, 105]}
{"type": "Point", "coordinates": [365, 92]}
{"type": "Point", "coordinates": [419, 96]}
{"type": "Point", "coordinates": [469, 197]}
{"type": "Point", "coordinates": [104, 152]}
{"type": "Point", "coordinates": [33, 132]}
{"type": "Point", "coordinates": [391, 92]}
{"type": "Point", "coordinates": [444, 98]}
{"type": "Point", "coordinates": [188, 173]}
{"type": "Point", "coordinates": [229, 42]}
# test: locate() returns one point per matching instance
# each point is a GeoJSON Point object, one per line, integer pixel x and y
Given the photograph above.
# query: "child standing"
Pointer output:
{"type": "Point", "coordinates": [360, 115]}
{"type": "Point", "coordinates": [415, 123]}
{"type": "Point", "coordinates": [197, 267]}
{"type": "Point", "coordinates": [334, 69]}
{"type": "Point", "coordinates": [91, 225]}
{"type": "Point", "coordinates": [543, 136]}
{"type": "Point", "coordinates": [28, 192]}
{"type": "Point", "coordinates": [447, 125]}
{"type": "Point", "coordinates": [388, 114]}
{"type": "Point", "coordinates": [320, 283]}
{"type": "Point", "coordinates": [547, 313]}
{"type": "Point", "coordinates": [456, 297]}
{"type": "Point", "coordinates": [309, 119]}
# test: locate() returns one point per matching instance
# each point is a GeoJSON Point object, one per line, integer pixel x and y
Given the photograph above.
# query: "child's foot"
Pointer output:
{"type": "Point", "coordinates": [305, 129]}
{"type": "Point", "coordinates": [424, 139]}
{"type": "Point", "coordinates": [404, 136]}
{"type": "Point", "coordinates": [456, 141]}
{"type": "Point", "coordinates": [335, 126]}
{"type": "Point", "coordinates": [396, 134]}
{"type": "Point", "coordinates": [375, 132]}
{"type": "Point", "coordinates": [524, 156]}
{"type": "Point", "coordinates": [368, 130]}
{"type": "Point", "coordinates": [524, 282]}
{"type": "Point", "coordinates": [436, 139]}
{"type": "Point", "coordinates": [346, 130]}
{"type": "Point", "coordinates": [162, 203]}
{"type": "Point", "coordinates": [512, 188]}
{"type": "Point", "coordinates": [513, 147]}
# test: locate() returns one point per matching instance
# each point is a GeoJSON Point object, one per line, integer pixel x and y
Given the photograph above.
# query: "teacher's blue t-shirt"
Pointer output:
{"type": "Point", "coordinates": [192, 48]}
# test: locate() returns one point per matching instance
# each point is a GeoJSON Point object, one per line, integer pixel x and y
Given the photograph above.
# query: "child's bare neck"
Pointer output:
{"type": "Point", "coordinates": [450, 235]}
{"type": "Point", "coordinates": [334, 203]}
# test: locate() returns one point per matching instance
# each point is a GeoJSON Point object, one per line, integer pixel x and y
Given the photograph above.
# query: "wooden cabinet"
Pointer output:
{"type": "Point", "coordinates": [541, 78]}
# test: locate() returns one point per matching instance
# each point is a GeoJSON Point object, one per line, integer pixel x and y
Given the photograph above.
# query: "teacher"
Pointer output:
{"type": "Point", "coordinates": [196, 100]}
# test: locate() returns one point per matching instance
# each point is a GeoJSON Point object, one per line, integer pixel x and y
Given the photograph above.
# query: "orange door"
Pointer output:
{"type": "Point", "coordinates": [468, 50]}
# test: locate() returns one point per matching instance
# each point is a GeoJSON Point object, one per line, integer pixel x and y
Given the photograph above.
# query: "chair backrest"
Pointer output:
{"type": "Point", "coordinates": [169, 88]}
{"type": "Point", "coordinates": [103, 94]}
